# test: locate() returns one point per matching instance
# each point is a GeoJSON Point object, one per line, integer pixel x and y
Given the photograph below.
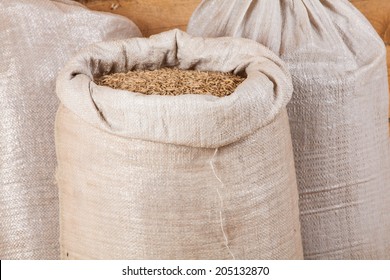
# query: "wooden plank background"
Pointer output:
{"type": "Point", "coordinates": [155, 16]}
{"type": "Point", "coordinates": [151, 16]}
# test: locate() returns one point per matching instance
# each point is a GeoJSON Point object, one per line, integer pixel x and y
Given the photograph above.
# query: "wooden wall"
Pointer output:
{"type": "Point", "coordinates": [151, 16]}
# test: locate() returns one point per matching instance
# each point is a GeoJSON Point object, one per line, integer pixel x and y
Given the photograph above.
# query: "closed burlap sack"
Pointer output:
{"type": "Point", "coordinates": [36, 39]}
{"type": "Point", "coordinates": [176, 177]}
{"type": "Point", "coordinates": [338, 115]}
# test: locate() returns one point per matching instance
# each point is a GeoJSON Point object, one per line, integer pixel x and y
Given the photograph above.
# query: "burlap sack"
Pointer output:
{"type": "Point", "coordinates": [36, 39]}
{"type": "Point", "coordinates": [176, 177]}
{"type": "Point", "coordinates": [338, 115]}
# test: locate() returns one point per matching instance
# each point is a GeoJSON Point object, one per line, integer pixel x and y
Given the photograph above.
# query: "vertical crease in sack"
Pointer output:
{"type": "Point", "coordinates": [338, 115]}
{"type": "Point", "coordinates": [36, 39]}
{"type": "Point", "coordinates": [176, 177]}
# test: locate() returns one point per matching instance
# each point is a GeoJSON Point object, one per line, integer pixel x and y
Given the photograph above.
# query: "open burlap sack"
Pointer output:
{"type": "Point", "coordinates": [176, 177]}
{"type": "Point", "coordinates": [338, 115]}
{"type": "Point", "coordinates": [36, 39]}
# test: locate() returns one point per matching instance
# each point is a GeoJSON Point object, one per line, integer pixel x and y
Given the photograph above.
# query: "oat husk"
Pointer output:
{"type": "Point", "coordinates": [173, 81]}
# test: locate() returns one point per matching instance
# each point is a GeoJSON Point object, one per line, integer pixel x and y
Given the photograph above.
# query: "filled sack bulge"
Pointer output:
{"type": "Point", "coordinates": [171, 173]}
{"type": "Point", "coordinates": [36, 39]}
{"type": "Point", "coordinates": [338, 115]}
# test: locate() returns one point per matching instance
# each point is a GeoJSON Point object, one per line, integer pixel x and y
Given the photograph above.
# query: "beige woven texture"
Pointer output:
{"type": "Point", "coordinates": [176, 177]}
{"type": "Point", "coordinates": [36, 39]}
{"type": "Point", "coordinates": [338, 115]}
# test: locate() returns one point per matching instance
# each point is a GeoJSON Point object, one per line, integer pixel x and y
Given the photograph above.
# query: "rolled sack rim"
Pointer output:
{"type": "Point", "coordinates": [189, 120]}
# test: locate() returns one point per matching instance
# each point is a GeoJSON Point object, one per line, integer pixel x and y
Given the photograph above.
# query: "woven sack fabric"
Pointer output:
{"type": "Point", "coordinates": [176, 177]}
{"type": "Point", "coordinates": [338, 115]}
{"type": "Point", "coordinates": [36, 39]}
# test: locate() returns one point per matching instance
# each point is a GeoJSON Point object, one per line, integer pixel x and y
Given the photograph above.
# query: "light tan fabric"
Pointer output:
{"type": "Point", "coordinates": [378, 13]}
{"type": "Point", "coordinates": [338, 115]}
{"type": "Point", "coordinates": [36, 39]}
{"type": "Point", "coordinates": [176, 177]}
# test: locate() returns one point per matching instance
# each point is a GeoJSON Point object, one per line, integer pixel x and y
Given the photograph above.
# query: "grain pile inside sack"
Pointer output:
{"type": "Point", "coordinates": [176, 177]}
{"type": "Point", "coordinates": [36, 39]}
{"type": "Point", "coordinates": [173, 81]}
{"type": "Point", "coordinates": [338, 115]}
